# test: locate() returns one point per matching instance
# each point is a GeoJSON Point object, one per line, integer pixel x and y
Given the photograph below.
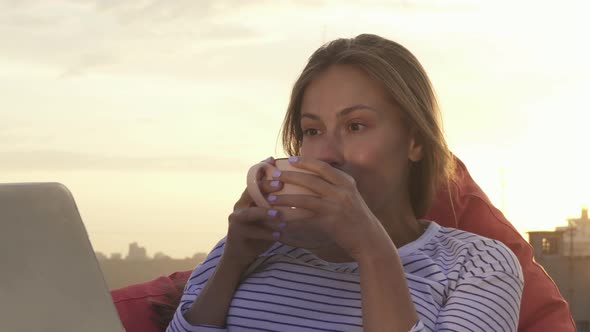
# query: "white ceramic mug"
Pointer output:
{"type": "Point", "coordinates": [296, 233]}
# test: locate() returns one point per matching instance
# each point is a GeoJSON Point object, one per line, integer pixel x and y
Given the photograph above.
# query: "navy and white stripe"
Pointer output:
{"type": "Point", "coordinates": [459, 281]}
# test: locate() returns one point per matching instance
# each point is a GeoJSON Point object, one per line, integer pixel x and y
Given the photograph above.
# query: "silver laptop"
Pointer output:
{"type": "Point", "coordinates": [50, 279]}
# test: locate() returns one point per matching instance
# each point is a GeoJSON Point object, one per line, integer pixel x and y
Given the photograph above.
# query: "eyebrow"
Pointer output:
{"type": "Point", "coordinates": [342, 113]}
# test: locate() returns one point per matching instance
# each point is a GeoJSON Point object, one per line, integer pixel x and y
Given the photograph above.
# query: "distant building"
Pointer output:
{"type": "Point", "coordinates": [161, 255]}
{"type": "Point", "coordinates": [577, 232]}
{"type": "Point", "coordinates": [124, 272]}
{"type": "Point", "coordinates": [565, 255]}
{"type": "Point", "coordinates": [100, 256]}
{"type": "Point", "coordinates": [138, 267]}
{"type": "Point", "coordinates": [136, 253]}
{"type": "Point", "coordinates": [199, 256]}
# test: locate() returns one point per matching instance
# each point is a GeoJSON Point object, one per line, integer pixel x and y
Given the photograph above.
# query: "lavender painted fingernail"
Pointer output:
{"type": "Point", "coordinates": [272, 213]}
{"type": "Point", "coordinates": [293, 159]}
{"type": "Point", "coordinates": [276, 174]}
{"type": "Point", "coordinates": [271, 198]}
{"type": "Point", "coordinates": [274, 183]}
{"type": "Point", "coordinates": [276, 235]}
{"type": "Point", "coordinates": [282, 224]}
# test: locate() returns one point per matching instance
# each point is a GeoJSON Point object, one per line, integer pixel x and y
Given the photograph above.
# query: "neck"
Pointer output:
{"type": "Point", "coordinates": [400, 223]}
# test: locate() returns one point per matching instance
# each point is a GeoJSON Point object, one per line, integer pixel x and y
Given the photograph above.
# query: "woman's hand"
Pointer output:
{"type": "Point", "coordinates": [339, 211]}
{"type": "Point", "coordinates": [252, 230]}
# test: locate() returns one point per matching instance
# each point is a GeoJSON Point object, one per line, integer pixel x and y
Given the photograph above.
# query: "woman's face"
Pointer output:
{"type": "Point", "coordinates": [349, 122]}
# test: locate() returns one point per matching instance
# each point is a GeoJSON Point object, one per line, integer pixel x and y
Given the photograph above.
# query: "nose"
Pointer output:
{"type": "Point", "coordinates": [329, 150]}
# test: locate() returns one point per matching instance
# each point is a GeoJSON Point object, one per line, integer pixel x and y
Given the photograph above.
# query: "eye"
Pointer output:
{"type": "Point", "coordinates": [310, 132]}
{"type": "Point", "coordinates": [355, 126]}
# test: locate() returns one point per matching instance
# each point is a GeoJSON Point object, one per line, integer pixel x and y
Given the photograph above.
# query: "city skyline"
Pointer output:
{"type": "Point", "coordinates": [139, 253]}
{"type": "Point", "coordinates": [134, 246]}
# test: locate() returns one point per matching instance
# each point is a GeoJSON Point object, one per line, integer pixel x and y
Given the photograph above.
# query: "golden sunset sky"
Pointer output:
{"type": "Point", "coordinates": [151, 111]}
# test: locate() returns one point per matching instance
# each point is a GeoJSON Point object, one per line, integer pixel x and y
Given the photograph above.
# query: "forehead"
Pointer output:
{"type": "Point", "coordinates": [342, 86]}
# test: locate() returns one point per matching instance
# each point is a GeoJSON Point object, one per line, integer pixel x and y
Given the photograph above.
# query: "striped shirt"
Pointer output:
{"type": "Point", "coordinates": [458, 281]}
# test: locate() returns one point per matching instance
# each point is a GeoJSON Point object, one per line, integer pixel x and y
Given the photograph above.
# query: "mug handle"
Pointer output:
{"type": "Point", "coordinates": [252, 183]}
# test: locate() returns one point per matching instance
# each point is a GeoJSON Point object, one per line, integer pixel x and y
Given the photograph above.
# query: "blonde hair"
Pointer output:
{"type": "Point", "coordinates": [407, 85]}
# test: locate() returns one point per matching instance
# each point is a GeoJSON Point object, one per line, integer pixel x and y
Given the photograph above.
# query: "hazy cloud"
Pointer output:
{"type": "Point", "coordinates": [82, 35]}
{"type": "Point", "coordinates": [157, 11]}
{"type": "Point", "coordinates": [54, 160]}
{"type": "Point", "coordinates": [208, 38]}
{"type": "Point", "coordinates": [89, 61]}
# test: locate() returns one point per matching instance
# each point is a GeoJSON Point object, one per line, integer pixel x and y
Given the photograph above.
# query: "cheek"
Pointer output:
{"type": "Point", "coordinates": [376, 156]}
{"type": "Point", "coordinates": [367, 157]}
{"type": "Point", "coordinates": [380, 169]}
{"type": "Point", "coordinates": [309, 150]}
{"type": "Point", "coordinates": [304, 149]}
{"type": "Point", "coordinates": [372, 167]}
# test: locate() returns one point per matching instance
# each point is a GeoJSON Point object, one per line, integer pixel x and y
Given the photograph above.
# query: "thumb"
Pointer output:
{"type": "Point", "coordinates": [244, 202]}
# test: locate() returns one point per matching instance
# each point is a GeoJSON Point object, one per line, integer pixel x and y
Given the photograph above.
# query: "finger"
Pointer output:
{"type": "Point", "coordinates": [310, 181]}
{"type": "Point", "coordinates": [269, 160]}
{"type": "Point", "coordinates": [256, 232]}
{"type": "Point", "coordinates": [323, 169]}
{"type": "Point", "coordinates": [271, 219]}
{"type": "Point", "coordinates": [270, 186]}
{"type": "Point", "coordinates": [244, 201]}
{"type": "Point", "coordinates": [308, 202]}
{"type": "Point", "coordinates": [276, 224]}
{"type": "Point", "coordinates": [253, 215]}
{"type": "Point", "coordinates": [266, 186]}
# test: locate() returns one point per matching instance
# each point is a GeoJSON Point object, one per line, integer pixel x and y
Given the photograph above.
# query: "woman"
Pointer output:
{"type": "Point", "coordinates": [362, 116]}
